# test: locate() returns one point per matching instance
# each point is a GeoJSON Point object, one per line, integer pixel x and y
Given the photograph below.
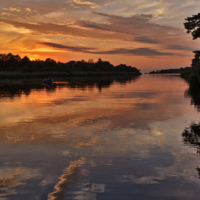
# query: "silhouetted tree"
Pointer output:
{"type": "Point", "coordinates": [193, 76]}
{"type": "Point", "coordinates": [193, 25]}
{"type": "Point", "coordinates": [196, 59]}
{"type": "Point", "coordinates": [25, 59]}
{"type": "Point", "coordinates": [99, 60]}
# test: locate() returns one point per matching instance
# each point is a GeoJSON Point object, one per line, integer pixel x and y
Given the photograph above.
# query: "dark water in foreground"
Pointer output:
{"type": "Point", "coordinates": [98, 140]}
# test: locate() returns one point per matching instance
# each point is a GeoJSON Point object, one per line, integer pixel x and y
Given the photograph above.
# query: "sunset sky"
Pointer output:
{"type": "Point", "coordinates": [146, 34]}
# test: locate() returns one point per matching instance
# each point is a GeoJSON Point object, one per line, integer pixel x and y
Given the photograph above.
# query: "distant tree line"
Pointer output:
{"type": "Point", "coordinates": [171, 71]}
{"type": "Point", "coordinates": [14, 63]}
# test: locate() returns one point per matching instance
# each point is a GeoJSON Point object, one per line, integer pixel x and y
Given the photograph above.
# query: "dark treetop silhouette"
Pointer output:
{"type": "Point", "coordinates": [14, 63]}
{"type": "Point", "coordinates": [193, 25]}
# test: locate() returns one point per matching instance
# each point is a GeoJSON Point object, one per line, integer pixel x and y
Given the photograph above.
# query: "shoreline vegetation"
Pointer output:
{"type": "Point", "coordinates": [172, 71]}
{"type": "Point", "coordinates": [13, 66]}
{"type": "Point", "coordinates": [192, 77]}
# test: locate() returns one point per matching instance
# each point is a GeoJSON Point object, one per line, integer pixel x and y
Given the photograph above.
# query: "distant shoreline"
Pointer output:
{"type": "Point", "coordinates": [171, 71]}
{"type": "Point", "coordinates": [166, 74]}
{"type": "Point", "coordinates": [13, 66]}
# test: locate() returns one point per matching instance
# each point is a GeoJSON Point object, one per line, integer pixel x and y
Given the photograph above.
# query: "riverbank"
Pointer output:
{"type": "Point", "coordinates": [5, 75]}
{"type": "Point", "coordinates": [192, 77]}
{"type": "Point", "coordinates": [10, 88]}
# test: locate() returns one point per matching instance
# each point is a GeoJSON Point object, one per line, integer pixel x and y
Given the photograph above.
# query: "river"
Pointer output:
{"type": "Point", "coordinates": [98, 139]}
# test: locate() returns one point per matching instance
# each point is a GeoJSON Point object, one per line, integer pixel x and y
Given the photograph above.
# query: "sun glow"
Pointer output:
{"type": "Point", "coordinates": [91, 29]}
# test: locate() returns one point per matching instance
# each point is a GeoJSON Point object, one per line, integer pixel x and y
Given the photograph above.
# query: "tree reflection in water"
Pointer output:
{"type": "Point", "coordinates": [195, 98]}
{"type": "Point", "coordinates": [25, 87]}
{"type": "Point", "coordinates": [191, 135]}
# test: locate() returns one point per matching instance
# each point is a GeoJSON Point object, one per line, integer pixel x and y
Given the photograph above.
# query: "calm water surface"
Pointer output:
{"type": "Point", "coordinates": [98, 140]}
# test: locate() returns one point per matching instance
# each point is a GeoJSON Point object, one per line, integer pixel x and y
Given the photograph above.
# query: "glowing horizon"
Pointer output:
{"type": "Point", "coordinates": [146, 35]}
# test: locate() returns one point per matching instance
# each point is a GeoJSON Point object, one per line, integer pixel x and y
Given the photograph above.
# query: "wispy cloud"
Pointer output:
{"type": "Point", "coordinates": [137, 51]}
{"type": "Point", "coordinates": [85, 3]}
{"type": "Point", "coordinates": [139, 26]}
{"type": "Point", "coordinates": [12, 9]}
{"type": "Point", "coordinates": [68, 48]}
{"type": "Point", "coordinates": [145, 39]}
{"type": "Point", "coordinates": [125, 51]}
{"type": "Point", "coordinates": [59, 29]}
{"type": "Point", "coordinates": [180, 47]}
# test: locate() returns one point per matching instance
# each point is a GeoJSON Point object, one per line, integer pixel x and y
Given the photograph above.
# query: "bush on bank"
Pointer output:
{"type": "Point", "coordinates": [193, 77]}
